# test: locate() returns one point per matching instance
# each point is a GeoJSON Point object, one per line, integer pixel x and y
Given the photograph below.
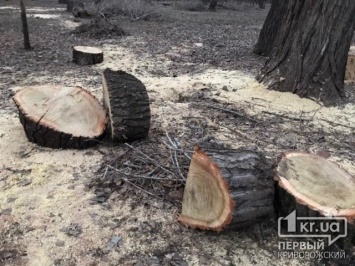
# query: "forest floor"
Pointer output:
{"type": "Point", "coordinates": [69, 207]}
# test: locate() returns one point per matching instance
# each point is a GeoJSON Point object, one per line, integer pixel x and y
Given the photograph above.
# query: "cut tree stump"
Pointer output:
{"type": "Point", "coordinates": [315, 187]}
{"type": "Point", "coordinates": [86, 55]}
{"type": "Point", "coordinates": [60, 117]}
{"type": "Point", "coordinates": [127, 103]}
{"type": "Point", "coordinates": [350, 67]}
{"type": "Point", "coordinates": [315, 183]}
{"type": "Point", "coordinates": [235, 189]}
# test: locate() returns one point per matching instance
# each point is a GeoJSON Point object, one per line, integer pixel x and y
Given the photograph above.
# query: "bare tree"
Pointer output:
{"type": "Point", "coordinates": [310, 50]}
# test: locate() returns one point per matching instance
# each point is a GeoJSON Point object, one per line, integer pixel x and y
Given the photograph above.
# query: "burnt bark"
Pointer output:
{"type": "Point", "coordinates": [311, 49]}
{"type": "Point", "coordinates": [26, 35]}
{"type": "Point", "coordinates": [270, 28]}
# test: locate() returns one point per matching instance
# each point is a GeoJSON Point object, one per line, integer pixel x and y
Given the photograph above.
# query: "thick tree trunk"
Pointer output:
{"type": "Point", "coordinates": [60, 117]}
{"type": "Point", "coordinates": [26, 35]}
{"type": "Point", "coordinates": [233, 190]}
{"type": "Point", "coordinates": [127, 103]}
{"type": "Point", "coordinates": [311, 49]}
{"type": "Point", "coordinates": [270, 28]}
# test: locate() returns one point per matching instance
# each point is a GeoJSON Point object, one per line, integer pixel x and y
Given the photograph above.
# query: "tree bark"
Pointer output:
{"type": "Point", "coordinates": [233, 189]}
{"type": "Point", "coordinates": [26, 35]}
{"type": "Point", "coordinates": [311, 49]}
{"type": "Point", "coordinates": [270, 28]}
{"type": "Point", "coordinates": [127, 103]}
{"type": "Point", "coordinates": [60, 117]}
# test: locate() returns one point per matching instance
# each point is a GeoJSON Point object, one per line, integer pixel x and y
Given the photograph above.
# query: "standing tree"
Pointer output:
{"type": "Point", "coordinates": [270, 28]}
{"type": "Point", "coordinates": [26, 36]}
{"type": "Point", "coordinates": [310, 50]}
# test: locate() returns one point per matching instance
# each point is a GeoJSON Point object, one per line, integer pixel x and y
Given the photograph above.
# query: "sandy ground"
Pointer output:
{"type": "Point", "coordinates": [43, 192]}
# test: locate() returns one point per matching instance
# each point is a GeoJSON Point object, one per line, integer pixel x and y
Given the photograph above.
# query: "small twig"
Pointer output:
{"type": "Point", "coordinates": [174, 158]}
{"type": "Point", "coordinates": [287, 117]}
{"type": "Point", "coordinates": [141, 176]}
{"type": "Point", "coordinates": [145, 191]}
{"type": "Point", "coordinates": [227, 111]}
{"type": "Point", "coordinates": [151, 159]}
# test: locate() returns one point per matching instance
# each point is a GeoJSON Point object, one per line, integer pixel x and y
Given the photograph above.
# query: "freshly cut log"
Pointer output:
{"type": "Point", "coordinates": [350, 67]}
{"type": "Point", "coordinates": [86, 55]}
{"type": "Point", "coordinates": [60, 117]}
{"type": "Point", "coordinates": [315, 183]}
{"type": "Point", "coordinates": [127, 103]}
{"type": "Point", "coordinates": [235, 189]}
{"type": "Point", "coordinates": [315, 187]}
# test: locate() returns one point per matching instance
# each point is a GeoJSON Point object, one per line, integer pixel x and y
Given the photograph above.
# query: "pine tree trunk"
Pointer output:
{"type": "Point", "coordinates": [270, 28]}
{"type": "Point", "coordinates": [311, 49]}
{"type": "Point", "coordinates": [26, 36]}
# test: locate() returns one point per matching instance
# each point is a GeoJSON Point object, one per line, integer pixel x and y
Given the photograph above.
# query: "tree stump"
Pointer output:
{"type": "Point", "coordinates": [350, 67]}
{"type": "Point", "coordinates": [315, 187]}
{"type": "Point", "coordinates": [316, 183]}
{"type": "Point", "coordinates": [234, 190]}
{"type": "Point", "coordinates": [127, 103]}
{"type": "Point", "coordinates": [60, 117]}
{"type": "Point", "coordinates": [85, 55]}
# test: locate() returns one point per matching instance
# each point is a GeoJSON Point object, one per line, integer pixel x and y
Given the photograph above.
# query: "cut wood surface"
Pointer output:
{"type": "Point", "coordinates": [126, 101]}
{"type": "Point", "coordinates": [60, 117]}
{"type": "Point", "coordinates": [315, 183]}
{"type": "Point", "coordinates": [86, 55]}
{"type": "Point", "coordinates": [350, 67]}
{"type": "Point", "coordinates": [234, 190]}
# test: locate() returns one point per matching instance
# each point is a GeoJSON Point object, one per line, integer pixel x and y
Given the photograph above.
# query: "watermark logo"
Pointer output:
{"type": "Point", "coordinates": [312, 227]}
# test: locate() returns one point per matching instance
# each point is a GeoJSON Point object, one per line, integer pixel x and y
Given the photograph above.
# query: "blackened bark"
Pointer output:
{"type": "Point", "coordinates": [270, 28]}
{"type": "Point", "coordinates": [26, 36]}
{"type": "Point", "coordinates": [311, 49]}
